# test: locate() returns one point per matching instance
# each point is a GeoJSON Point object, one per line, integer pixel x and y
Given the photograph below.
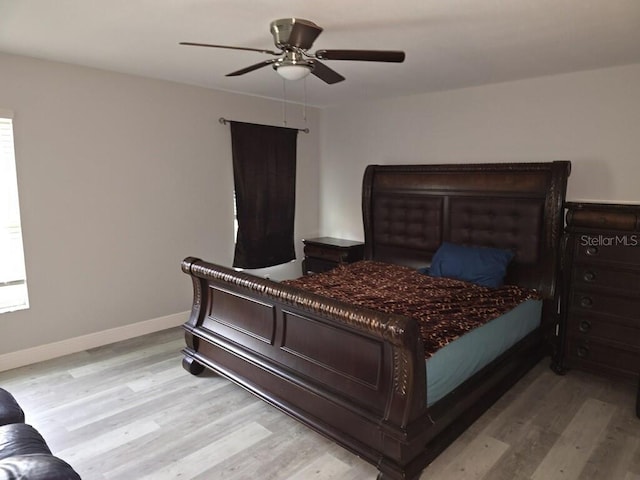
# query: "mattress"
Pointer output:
{"type": "Point", "coordinates": [451, 365]}
{"type": "Point", "coordinates": [445, 308]}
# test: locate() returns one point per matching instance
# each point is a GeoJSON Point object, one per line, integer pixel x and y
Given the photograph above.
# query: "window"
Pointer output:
{"type": "Point", "coordinates": [13, 285]}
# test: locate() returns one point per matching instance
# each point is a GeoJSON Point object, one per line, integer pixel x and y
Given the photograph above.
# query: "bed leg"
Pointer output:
{"type": "Point", "coordinates": [384, 476]}
{"type": "Point", "coordinates": [397, 474]}
{"type": "Point", "coordinates": [192, 366]}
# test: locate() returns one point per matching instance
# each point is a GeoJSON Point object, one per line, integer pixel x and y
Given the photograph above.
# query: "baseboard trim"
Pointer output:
{"type": "Point", "coordinates": [41, 353]}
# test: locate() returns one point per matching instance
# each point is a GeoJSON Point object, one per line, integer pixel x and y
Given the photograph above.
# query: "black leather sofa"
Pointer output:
{"type": "Point", "coordinates": [24, 454]}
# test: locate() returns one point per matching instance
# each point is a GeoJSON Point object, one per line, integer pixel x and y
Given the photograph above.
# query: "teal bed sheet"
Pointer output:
{"type": "Point", "coordinates": [459, 360]}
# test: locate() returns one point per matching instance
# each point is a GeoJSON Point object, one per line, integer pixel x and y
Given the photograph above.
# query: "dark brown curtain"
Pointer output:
{"type": "Point", "coordinates": [264, 171]}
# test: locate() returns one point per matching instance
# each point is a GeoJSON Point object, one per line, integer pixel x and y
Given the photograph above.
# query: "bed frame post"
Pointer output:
{"type": "Point", "coordinates": [189, 363]}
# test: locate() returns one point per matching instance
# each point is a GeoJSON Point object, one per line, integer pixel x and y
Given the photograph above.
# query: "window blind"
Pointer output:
{"type": "Point", "coordinates": [13, 288]}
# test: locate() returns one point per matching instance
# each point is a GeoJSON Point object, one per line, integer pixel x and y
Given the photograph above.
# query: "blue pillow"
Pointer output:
{"type": "Point", "coordinates": [482, 265]}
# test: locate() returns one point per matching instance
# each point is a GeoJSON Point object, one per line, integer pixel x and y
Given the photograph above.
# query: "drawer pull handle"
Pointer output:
{"type": "Point", "coordinates": [586, 302]}
{"type": "Point", "coordinates": [583, 352]}
{"type": "Point", "coordinates": [589, 276]}
{"type": "Point", "coordinates": [592, 250]}
{"type": "Point", "coordinates": [585, 326]}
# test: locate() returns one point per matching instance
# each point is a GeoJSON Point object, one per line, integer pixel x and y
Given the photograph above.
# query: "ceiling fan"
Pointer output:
{"type": "Point", "coordinates": [294, 37]}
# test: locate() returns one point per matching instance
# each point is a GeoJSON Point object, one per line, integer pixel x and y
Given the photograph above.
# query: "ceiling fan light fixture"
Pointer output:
{"type": "Point", "coordinates": [293, 72]}
{"type": "Point", "coordinates": [294, 37]}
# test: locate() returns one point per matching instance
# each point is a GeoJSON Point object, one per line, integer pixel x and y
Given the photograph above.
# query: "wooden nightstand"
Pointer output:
{"type": "Point", "coordinates": [600, 307]}
{"type": "Point", "coordinates": [324, 253]}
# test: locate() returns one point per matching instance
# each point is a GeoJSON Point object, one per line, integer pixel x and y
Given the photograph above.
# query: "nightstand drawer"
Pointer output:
{"type": "Point", "coordinates": [316, 265]}
{"type": "Point", "coordinates": [326, 253]}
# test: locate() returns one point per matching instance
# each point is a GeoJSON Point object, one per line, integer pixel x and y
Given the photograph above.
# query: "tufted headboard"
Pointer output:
{"type": "Point", "coordinates": [409, 210]}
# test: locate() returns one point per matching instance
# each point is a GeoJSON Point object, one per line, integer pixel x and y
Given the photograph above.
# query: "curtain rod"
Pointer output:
{"type": "Point", "coordinates": [224, 121]}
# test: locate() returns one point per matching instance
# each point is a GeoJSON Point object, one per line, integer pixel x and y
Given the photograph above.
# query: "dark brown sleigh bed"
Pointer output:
{"type": "Point", "coordinates": [358, 375]}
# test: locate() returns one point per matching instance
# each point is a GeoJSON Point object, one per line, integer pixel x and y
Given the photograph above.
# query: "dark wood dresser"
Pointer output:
{"type": "Point", "coordinates": [324, 253]}
{"type": "Point", "coordinates": [600, 327]}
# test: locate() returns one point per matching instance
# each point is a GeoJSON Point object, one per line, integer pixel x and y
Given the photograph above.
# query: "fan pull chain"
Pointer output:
{"type": "Point", "coordinates": [304, 105]}
{"type": "Point", "coordinates": [284, 102]}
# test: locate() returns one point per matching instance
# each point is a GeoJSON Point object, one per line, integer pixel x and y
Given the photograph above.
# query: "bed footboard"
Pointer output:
{"type": "Point", "coordinates": [352, 374]}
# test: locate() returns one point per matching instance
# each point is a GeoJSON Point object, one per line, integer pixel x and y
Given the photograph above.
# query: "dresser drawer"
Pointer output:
{"type": "Point", "coordinates": [597, 276]}
{"type": "Point", "coordinates": [603, 357]}
{"type": "Point", "coordinates": [611, 329]}
{"type": "Point", "coordinates": [607, 218]}
{"type": "Point", "coordinates": [584, 300]}
{"type": "Point", "coordinates": [621, 249]}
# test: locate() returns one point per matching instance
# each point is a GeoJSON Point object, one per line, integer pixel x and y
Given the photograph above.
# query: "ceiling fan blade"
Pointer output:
{"type": "Point", "coordinates": [251, 68]}
{"type": "Point", "coordinates": [192, 44]}
{"type": "Point", "coordinates": [396, 56]}
{"type": "Point", "coordinates": [325, 73]}
{"type": "Point", "coordinates": [303, 33]}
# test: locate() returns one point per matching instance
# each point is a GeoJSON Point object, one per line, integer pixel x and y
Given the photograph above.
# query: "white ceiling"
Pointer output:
{"type": "Point", "coordinates": [449, 43]}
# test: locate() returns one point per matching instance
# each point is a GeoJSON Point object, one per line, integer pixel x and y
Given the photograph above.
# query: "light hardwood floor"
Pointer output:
{"type": "Point", "coordinates": [129, 411]}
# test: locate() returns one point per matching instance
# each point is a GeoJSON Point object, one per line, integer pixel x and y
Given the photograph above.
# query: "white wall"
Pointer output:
{"type": "Point", "coordinates": [120, 178]}
{"type": "Point", "coordinates": [591, 118]}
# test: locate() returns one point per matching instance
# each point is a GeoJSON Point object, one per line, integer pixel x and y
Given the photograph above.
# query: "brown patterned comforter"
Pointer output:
{"type": "Point", "coordinates": [445, 308]}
